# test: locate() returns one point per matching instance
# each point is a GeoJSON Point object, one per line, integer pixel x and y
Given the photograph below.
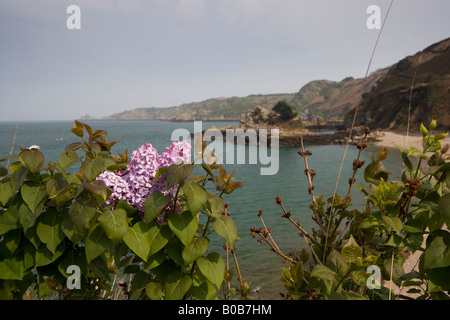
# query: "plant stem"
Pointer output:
{"type": "Point", "coordinates": [12, 146]}
{"type": "Point", "coordinates": [233, 252]}
{"type": "Point", "coordinates": [392, 270]}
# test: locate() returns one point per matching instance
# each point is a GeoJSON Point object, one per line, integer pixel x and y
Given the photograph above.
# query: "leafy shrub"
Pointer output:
{"type": "Point", "coordinates": [285, 111]}
{"type": "Point", "coordinates": [348, 244]}
{"type": "Point", "coordinates": [53, 216]}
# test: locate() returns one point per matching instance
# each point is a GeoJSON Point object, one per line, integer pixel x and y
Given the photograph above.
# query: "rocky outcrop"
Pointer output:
{"type": "Point", "coordinates": [258, 118]}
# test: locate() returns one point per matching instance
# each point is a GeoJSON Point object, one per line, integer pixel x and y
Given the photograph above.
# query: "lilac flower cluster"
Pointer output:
{"type": "Point", "coordinates": [136, 183]}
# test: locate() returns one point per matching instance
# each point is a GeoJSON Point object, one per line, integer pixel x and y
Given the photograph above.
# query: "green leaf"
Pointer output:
{"type": "Point", "coordinates": [155, 260]}
{"type": "Point", "coordinates": [177, 173]}
{"type": "Point", "coordinates": [131, 211]}
{"type": "Point", "coordinates": [140, 280]}
{"type": "Point", "coordinates": [215, 204]}
{"type": "Point", "coordinates": [195, 196]}
{"type": "Point", "coordinates": [54, 186]}
{"type": "Point", "coordinates": [388, 193]}
{"type": "Point", "coordinates": [9, 219]}
{"type": "Point", "coordinates": [346, 296]}
{"type": "Point", "coordinates": [351, 250]}
{"type": "Point", "coordinates": [73, 146]}
{"type": "Point", "coordinates": [405, 158]}
{"type": "Point", "coordinates": [375, 171]}
{"type": "Point", "coordinates": [6, 192]}
{"type": "Point", "coordinates": [3, 171]}
{"type": "Point", "coordinates": [100, 267]}
{"type": "Point", "coordinates": [176, 285]}
{"type": "Point", "coordinates": [115, 224]}
{"type": "Point", "coordinates": [184, 226]}
{"type": "Point", "coordinates": [204, 291]}
{"type": "Point", "coordinates": [81, 212]}
{"type": "Point", "coordinates": [322, 272]}
{"type": "Point", "coordinates": [174, 248]}
{"type": "Point", "coordinates": [393, 224]}
{"type": "Point", "coordinates": [97, 188]}
{"type": "Point", "coordinates": [9, 243]}
{"type": "Point", "coordinates": [137, 239]}
{"type": "Point", "coordinates": [158, 236]}
{"type": "Point", "coordinates": [73, 256]}
{"type": "Point", "coordinates": [68, 159]}
{"type": "Point", "coordinates": [437, 253]}
{"type": "Point", "coordinates": [370, 222]}
{"type": "Point", "coordinates": [33, 194]}
{"type": "Point", "coordinates": [18, 177]}
{"type": "Point", "coordinates": [213, 268]}
{"type": "Point", "coordinates": [225, 227]}
{"type": "Point", "coordinates": [154, 204]}
{"type": "Point", "coordinates": [96, 242]}
{"type": "Point", "coordinates": [197, 248]}
{"type": "Point", "coordinates": [49, 229]}
{"type": "Point", "coordinates": [439, 280]}
{"type": "Point", "coordinates": [160, 172]}
{"type": "Point", "coordinates": [337, 262]}
{"type": "Point", "coordinates": [12, 268]}
{"type": "Point", "coordinates": [154, 290]}
{"type": "Point", "coordinates": [91, 168]}
{"type": "Point", "coordinates": [414, 152]}
{"type": "Point", "coordinates": [32, 159]}
{"type": "Point", "coordinates": [44, 256]}
{"type": "Point", "coordinates": [444, 208]}
{"type": "Point", "coordinates": [78, 131]}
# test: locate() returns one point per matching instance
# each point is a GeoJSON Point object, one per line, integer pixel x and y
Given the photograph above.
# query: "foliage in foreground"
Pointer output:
{"type": "Point", "coordinates": [349, 247]}
{"type": "Point", "coordinates": [59, 215]}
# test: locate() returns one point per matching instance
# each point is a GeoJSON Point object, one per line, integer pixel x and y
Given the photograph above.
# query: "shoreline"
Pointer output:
{"type": "Point", "coordinates": [389, 139]}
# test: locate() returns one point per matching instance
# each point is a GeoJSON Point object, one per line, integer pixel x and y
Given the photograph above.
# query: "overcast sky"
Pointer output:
{"type": "Point", "coordinates": [143, 53]}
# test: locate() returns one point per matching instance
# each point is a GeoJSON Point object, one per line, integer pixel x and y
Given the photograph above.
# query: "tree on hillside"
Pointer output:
{"type": "Point", "coordinates": [285, 111]}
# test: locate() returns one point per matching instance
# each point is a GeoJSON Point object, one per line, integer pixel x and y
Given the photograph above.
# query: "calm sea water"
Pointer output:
{"type": "Point", "coordinates": [257, 263]}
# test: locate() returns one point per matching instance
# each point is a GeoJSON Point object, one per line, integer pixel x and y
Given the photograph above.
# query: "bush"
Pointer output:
{"type": "Point", "coordinates": [349, 245]}
{"type": "Point", "coordinates": [285, 111]}
{"type": "Point", "coordinates": [55, 219]}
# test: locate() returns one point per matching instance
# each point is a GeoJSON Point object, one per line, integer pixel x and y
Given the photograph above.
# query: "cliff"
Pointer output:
{"type": "Point", "coordinates": [419, 83]}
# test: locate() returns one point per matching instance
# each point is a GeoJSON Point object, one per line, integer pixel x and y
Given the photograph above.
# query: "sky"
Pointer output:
{"type": "Point", "coordinates": [161, 53]}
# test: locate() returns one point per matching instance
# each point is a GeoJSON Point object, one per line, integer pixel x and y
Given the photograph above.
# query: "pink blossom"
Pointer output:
{"type": "Point", "coordinates": [136, 183]}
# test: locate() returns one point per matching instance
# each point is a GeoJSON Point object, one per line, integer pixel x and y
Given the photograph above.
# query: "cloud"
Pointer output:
{"type": "Point", "coordinates": [191, 8]}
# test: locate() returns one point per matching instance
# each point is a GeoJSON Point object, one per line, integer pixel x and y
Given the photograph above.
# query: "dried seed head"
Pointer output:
{"type": "Point", "coordinates": [286, 215]}
{"type": "Point", "coordinates": [278, 199]}
{"type": "Point", "coordinates": [260, 213]}
{"type": "Point", "coordinates": [366, 130]}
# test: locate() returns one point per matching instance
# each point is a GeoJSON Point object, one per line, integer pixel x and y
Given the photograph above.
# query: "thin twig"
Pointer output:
{"type": "Point", "coordinates": [410, 100]}
{"type": "Point", "coordinates": [390, 280]}
{"type": "Point", "coordinates": [353, 124]}
{"type": "Point", "coordinates": [12, 146]}
{"type": "Point", "coordinates": [241, 282]}
{"type": "Point", "coordinates": [265, 228]}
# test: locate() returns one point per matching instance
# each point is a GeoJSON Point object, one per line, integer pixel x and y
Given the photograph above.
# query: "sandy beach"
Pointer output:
{"type": "Point", "coordinates": [391, 139]}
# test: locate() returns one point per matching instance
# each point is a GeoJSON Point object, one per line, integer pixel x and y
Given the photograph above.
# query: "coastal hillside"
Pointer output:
{"type": "Point", "coordinates": [386, 105]}
{"type": "Point", "coordinates": [318, 100]}
{"type": "Point", "coordinates": [222, 108]}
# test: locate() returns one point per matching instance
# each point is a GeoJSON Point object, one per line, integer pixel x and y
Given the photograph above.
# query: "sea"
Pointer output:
{"type": "Point", "coordinates": [258, 265]}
